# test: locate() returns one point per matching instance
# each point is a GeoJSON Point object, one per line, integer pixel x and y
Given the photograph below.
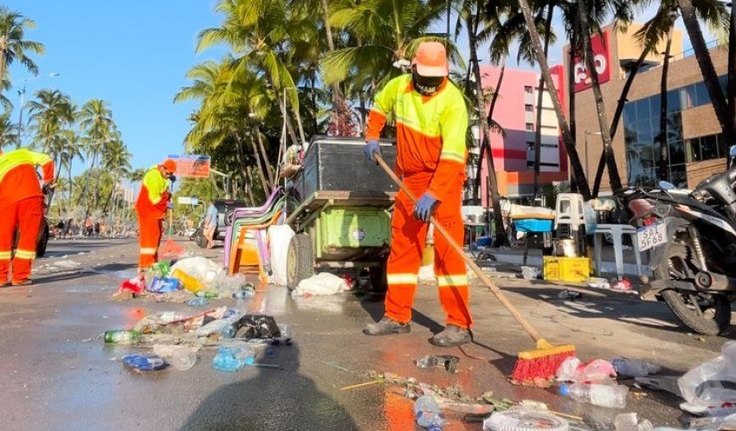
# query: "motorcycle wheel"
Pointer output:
{"type": "Point", "coordinates": [201, 240]}
{"type": "Point", "coordinates": [704, 313]}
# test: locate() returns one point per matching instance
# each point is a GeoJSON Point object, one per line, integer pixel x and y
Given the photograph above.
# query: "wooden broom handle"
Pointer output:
{"type": "Point", "coordinates": [484, 278]}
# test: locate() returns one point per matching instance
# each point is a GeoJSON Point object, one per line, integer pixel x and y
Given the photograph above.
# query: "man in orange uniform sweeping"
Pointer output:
{"type": "Point", "coordinates": [21, 208]}
{"type": "Point", "coordinates": [151, 206]}
{"type": "Point", "coordinates": [431, 124]}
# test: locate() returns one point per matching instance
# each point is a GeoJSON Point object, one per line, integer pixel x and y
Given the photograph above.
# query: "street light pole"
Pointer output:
{"type": "Point", "coordinates": [22, 94]}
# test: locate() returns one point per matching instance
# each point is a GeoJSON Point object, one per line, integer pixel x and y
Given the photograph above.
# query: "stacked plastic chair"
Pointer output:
{"type": "Point", "coordinates": [246, 248]}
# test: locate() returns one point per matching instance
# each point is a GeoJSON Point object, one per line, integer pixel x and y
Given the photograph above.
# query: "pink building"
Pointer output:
{"type": "Point", "coordinates": [513, 151]}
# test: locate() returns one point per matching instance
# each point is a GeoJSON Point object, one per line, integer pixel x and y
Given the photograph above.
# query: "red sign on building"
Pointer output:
{"type": "Point", "coordinates": [602, 60]}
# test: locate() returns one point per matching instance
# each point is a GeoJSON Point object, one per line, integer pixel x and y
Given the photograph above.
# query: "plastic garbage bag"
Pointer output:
{"type": "Point", "coordinates": [164, 285]}
{"type": "Point", "coordinates": [279, 238]}
{"type": "Point", "coordinates": [321, 284]}
{"type": "Point", "coordinates": [135, 285]}
{"type": "Point", "coordinates": [597, 371]}
{"type": "Point", "coordinates": [200, 268]}
{"type": "Point", "coordinates": [713, 382]}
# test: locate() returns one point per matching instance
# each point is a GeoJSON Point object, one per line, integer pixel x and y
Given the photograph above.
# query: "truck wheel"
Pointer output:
{"type": "Point", "coordinates": [379, 279]}
{"type": "Point", "coordinates": [43, 239]}
{"type": "Point", "coordinates": [299, 260]}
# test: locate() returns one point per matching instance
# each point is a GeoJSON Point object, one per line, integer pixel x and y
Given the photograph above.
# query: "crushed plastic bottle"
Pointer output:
{"type": "Point", "coordinates": [181, 357]}
{"type": "Point", "coordinates": [198, 301]}
{"type": "Point", "coordinates": [225, 360]}
{"type": "Point", "coordinates": [630, 422]}
{"type": "Point", "coordinates": [634, 367]}
{"type": "Point", "coordinates": [122, 337]}
{"type": "Point", "coordinates": [234, 357]}
{"type": "Point", "coordinates": [613, 396]}
{"type": "Point", "coordinates": [428, 414]}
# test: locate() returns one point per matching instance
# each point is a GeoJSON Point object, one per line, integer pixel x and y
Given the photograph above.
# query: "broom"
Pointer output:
{"type": "Point", "coordinates": [532, 366]}
{"type": "Point", "coordinates": [170, 249]}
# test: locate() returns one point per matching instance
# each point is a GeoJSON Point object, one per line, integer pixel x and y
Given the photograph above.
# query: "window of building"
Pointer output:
{"type": "Point", "coordinates": [529, 108]}
{"type": "Point", "coordinates": [677, 152]}
{"type": "Point", "coordinates": [702, 94]}
{"type": "Point", "coordinates": [529, 127]}
{"type": "Point", "coordinates": [709, 147]}
{"type": "Point", "coordinates": [528, 89]}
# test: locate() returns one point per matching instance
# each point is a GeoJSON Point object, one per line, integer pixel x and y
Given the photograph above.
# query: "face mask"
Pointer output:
{"type": "Point", "coordinates": [426, 85]}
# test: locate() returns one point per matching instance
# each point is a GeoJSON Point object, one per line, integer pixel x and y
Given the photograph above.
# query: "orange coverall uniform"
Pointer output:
{"type": "Point", "coordinates": [21, 207]}
{"type": "Point", "coordinates": [430, 135]}
{"type": "Point", "coordinates": [151, 206]}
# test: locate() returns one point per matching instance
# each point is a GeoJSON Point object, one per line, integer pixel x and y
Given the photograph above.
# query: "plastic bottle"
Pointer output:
{"type": "Point", "coordinates": [428, 414]}
{"type": "Point", "coordinates": [634, 367]}
{"type": "Point", "coordinates": [599, 395]}
{"type": "Point", "coordinates": [122, 336]}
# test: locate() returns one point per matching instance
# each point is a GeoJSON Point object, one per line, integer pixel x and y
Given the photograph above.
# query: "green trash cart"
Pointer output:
{"type": "Point", "coordinates": [343, 218]}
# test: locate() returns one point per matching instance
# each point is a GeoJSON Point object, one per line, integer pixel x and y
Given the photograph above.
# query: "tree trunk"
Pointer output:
{"type": "Point", "coordinates": [540, 98]}
{"type": "Point", "coordinates": [710, 78]}
{"type": "Point", "coordinates": [604, 125]}
{"type": "Point", "coordinates": [731, 87]}
{"type": "Point", "coordinates": [571, 98]}
{"type": "Point", "coordinates": [269, 171]}
{"type": "Point", "coordinates": [567, 138]}
{"type": "Point", "coordinates": [483, 147]}
{"type": "Point", "coordinates": [249, 187]}
{"type": "Point", "coordinates": [109, 196]}
{"type": "Point", "coordinates": [71, 185]}
{"type": "Point", "coordinates": [298, 117]}
{"type": "Point", "coordinates": [86, 184]}
{"type": "Point", "coordinates": [663, 164]}
{"type": "Point", "coordinates": [472, 26]}
{"type": "Point", "coordinates": [261, 172]}
{"type": "Point", "coordinates": [617, 116]}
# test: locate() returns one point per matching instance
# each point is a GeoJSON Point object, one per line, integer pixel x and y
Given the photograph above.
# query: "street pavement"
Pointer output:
{"type": "Point", "coordinates": [58, 375]}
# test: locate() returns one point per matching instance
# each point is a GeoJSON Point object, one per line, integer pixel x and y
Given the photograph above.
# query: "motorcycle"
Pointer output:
{"type": "Point", "coordinates": [691, 239]}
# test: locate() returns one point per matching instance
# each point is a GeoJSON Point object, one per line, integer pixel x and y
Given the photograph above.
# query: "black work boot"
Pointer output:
{"type": "Point", "coordinates": [386, 326]}
{"type": "Point", "coordinates": [452, 336]}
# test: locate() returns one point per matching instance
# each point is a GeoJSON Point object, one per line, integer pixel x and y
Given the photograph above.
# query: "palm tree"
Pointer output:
{"type": "Point", "coordinates": [95, 120]}
{"type": "Point", "coordinates": [709, 10]}
{"type": "Point", "coordinates": [51, 114]}
{"type": "Point", "coordinates": [7, 129]}
{"type": "Point", "coordinates": [117, 159]}
{"type": "Point", "coordinates": [386, 32]}
{"type": "Point", "coordinates": [257, 32]}
{"type": "Point", "coordinates": [567, 138]}
{"type": "Point", "coordinates": [231, 106]}
{"type": "Point", "coordinates": [13, 45]}
{"type": "Point", "coordinates": [471, 13]}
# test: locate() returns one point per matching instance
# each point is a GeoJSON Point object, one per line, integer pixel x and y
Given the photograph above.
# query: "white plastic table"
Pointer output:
{"type": "Point", "coordinates": [617, 231]}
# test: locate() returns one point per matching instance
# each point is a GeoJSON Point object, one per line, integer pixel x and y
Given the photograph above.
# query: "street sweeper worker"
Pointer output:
{"type": "Point", "coordinates": [21, 209]}
{"type": "Point", "coordinates": [431, 124]}
{"type": "Point", "coordinates": [151, 206]}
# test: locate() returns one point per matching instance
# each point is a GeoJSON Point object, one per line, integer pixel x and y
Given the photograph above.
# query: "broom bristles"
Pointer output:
{"type": "Point", "coordinates": [540, 363]}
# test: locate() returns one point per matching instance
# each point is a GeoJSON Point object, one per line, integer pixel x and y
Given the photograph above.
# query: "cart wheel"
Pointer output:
{"type": "Point", "coordinates": [299, 260]}
{"type": "Point", "coordinates": [379, 279]}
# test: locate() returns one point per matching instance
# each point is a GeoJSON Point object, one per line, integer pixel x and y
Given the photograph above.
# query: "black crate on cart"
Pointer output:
{"type": "Point", "coordinates": [333, 163]}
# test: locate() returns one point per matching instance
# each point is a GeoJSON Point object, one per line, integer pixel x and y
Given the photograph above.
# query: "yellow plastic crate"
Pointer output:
{"type": "Point", "coordinates": [566, 269]}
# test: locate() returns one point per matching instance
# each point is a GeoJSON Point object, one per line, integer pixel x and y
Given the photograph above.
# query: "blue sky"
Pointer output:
{"type": "Point", "coordinates": [133, 55]}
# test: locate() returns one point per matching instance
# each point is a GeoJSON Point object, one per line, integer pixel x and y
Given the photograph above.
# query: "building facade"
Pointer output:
{"type": "Point", "coordinates": [512, 142]}
{"type": "Point", "coordinates": [691, 147]}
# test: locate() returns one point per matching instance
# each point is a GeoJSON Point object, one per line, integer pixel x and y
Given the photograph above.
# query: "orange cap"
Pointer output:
{"type": "Point", "coordinates": [431, 59]}
{"type": "Point", "coordinates": [169, 165]}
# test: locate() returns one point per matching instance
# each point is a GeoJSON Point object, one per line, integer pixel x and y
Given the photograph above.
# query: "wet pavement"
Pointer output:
{"type": "Point", "coordinates": [58, 374]}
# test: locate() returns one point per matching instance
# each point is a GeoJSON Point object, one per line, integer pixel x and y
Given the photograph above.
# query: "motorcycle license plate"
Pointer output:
{"type": "Point", "coordinates": [651, 236]}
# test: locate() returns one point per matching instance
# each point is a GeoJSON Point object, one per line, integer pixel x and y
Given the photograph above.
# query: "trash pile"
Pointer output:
{"type": "Point", "coordinates": [194, 280]}
{"type": "Point", "coordinates": [176, 339]}
{"type": "Point", "coordinates": [709, 391]}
